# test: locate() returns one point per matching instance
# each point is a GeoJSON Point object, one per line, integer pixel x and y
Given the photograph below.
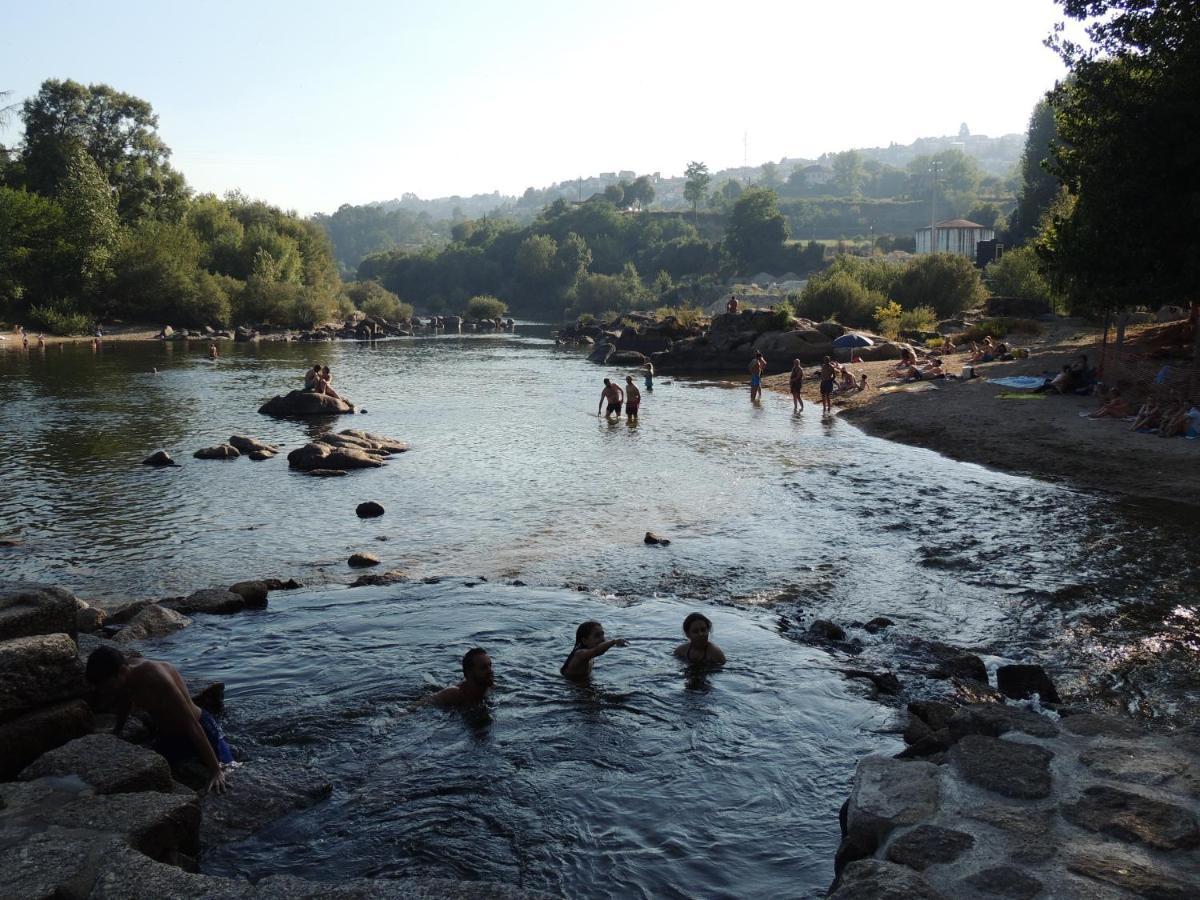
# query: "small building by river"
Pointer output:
{"type": "Point", "coordinates": [953, 236]}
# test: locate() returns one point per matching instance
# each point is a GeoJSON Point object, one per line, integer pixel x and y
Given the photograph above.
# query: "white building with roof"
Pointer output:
{"type": "Point", "coordinates": [953, 236]}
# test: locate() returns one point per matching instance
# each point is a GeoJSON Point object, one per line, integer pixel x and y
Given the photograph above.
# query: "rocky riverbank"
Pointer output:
{"type": "Point", "coordinates": [85, 813]}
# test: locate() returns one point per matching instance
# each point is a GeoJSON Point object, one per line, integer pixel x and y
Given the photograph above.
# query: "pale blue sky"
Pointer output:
{"type": "Point", "coordinates": [313, 104]}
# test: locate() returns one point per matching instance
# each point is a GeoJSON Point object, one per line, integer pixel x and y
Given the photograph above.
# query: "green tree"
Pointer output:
{"type": "Point", "coordinates": [375, 300]}
{"type": "Point", "coordinates": [695, 188]}
{"type": "Point", "coordinates": [848, 172]}
{"type": "Point", "coordinates": [770, 178]}
{"type": "Point", "coordinates": [985, 214]}
{"type": "Point", "coordinates": [839, 295]}
{"type": "Point", "coordinates": [640, 193]}
{"type": "Point", "coordinates": [756, 231]}
{"type": "Point", "coordinates": [1018, 274]}
{"type": "Point", "coordinates": [118, 131]}
{"type": "Point", "coordinates": [1038, 183]}
{"type": "Point", "coordinates": [34, 255]}
{"type": "Point", "coordinates": [91, 226]}
{"type": "Point", "coordinates": [1129, 230]}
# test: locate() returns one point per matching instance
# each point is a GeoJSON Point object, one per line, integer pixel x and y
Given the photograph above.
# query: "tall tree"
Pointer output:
{"type": "Point", "coordinates": [90, 218]}
{"type": "Point", "coordinates": [1038, 183]}
{"type": "Point", "coordinates": [1128, 230]}
{"type": "Point", "coordinates": [848, 172]}
{"type": "Point", "coordinates": [695, 188]}
{"type": "Point", "coordinates": [757, 230]}
{"type": "Point", "coordinates": [118, 131]}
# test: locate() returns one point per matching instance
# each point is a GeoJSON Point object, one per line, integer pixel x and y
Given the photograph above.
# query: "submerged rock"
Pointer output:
{"type": "Point", "coordinates": [259, 792]}
{"type": "Point", "coordinates": [152, 621]}
{"type": "Point", "coordinates": [221, 451]}
{"type": "Point", "coordinates": [652, 538]}
{"type": "Point", "coordinates": [362, 560]}
{"type": "Point", "coordinates": [395, 576]}
{"type": "Point", "coordinates": [250, 445]}
{"type": "Point", "coordinates": [824, 630]}
{"type": "Point", "coordinates": [254, 592]}
{"type": "Point", "coordinates": [305, 403]}
{"type": "Point", "coordinates": [208, 600]}
{"type": "Point", "coordinates": [159, 458]}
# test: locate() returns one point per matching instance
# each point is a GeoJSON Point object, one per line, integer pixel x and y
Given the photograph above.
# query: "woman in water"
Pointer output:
{"type": "Point", "coordinates": [796, 384]}
{"type": "Point", "coordinates": [699, 649]}
{"type": "Point", "coordinates": [649, 367]}
{"type": "Point", "coordinates": [589, 643]}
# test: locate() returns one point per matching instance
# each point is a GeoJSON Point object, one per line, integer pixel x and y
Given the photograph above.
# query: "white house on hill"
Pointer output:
{"type": "Point", "coordinates": [953, 236]}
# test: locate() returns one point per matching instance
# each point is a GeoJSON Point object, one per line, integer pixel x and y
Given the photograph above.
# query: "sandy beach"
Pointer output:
{"type": "Point", "coordinates": [11, 340]}
{"type": "Point", "coordinates": [1044, 438]}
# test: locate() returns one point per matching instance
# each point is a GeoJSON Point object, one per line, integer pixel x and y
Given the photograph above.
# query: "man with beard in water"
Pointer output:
{"type": "Point", "coordinates": [478, 679]}
{"type": "Point", "coordinates": [184, 729]}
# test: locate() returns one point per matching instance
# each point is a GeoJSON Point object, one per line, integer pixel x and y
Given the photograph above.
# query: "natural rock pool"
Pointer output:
{"type": "Point", "coordinates": [649, 782]}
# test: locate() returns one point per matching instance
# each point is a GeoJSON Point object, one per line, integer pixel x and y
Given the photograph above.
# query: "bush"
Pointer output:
{"type": "Point", "coordinates": [486, 306]}
{"type": "Point", "coordinates": [1000, 327]}
{"type": "Point", "coordinates": [944, 281]}
{"type": "Point", "coordinates": [58, 318]}
{"type": "Point", "coordinates": [373, 299]}
{"type": "Point", "coordinates": [838, 295]}
{"type": "Point", "coordinates": [1018, 274]}
{"type": "Point", "coordinates": [686, 315]}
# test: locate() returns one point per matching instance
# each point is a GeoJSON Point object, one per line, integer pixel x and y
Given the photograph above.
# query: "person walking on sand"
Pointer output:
{"type": "Point", "coordinates": [758, 366]}
{"type": "Point", "coordinates": [796, 385]}
{"type": "Point", "coordinates": [828, 374]}
{"type": "Point", "coordinates": [478, 678]}
{"type": "Point", "coordinates": [157, 688]}
{"type": "Point", "coordinates": [613, 395]}
{"type": "Point", "coordinates": [633, 399]}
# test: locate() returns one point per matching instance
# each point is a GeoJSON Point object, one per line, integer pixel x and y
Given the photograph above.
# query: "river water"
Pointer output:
{"type": "Point", "coordinates": [652, 781]}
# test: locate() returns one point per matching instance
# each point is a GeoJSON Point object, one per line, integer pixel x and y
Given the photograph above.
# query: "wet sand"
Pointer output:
{"type": "Point", "coordinates": [1046, 439]}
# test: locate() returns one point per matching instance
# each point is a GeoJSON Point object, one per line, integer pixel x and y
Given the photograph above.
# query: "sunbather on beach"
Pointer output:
{"type": "Point", "coordinates": [1116, 407]}
{"type": "Point", "coordinates": [1148, 416]}
{"type": "Point", "coordinates": [981, 354]}
{"type": "Point", "coordinates": [1174, 421]}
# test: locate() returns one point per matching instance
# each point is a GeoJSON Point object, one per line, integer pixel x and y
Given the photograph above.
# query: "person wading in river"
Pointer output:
{"type": "Point", "coordinates": [184, 729]}
{"type": "Point", "coordinates": [633, 399]}
{"type": "Point", "coordinates": [828, 374]}
{"type": "Point", "coordinates": [758, 366]}
{"type": "Point", "coordinates": [796, 385]}
{"type": "Point", "coordinates": [613, 395]}
{"type": "Point", "coordinates": [478, 679]}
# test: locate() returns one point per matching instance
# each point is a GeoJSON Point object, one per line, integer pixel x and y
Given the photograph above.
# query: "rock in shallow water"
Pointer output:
{"type": "Point", "coordinates": [35, 609]}
{"type": "Point", "coordinates": [221, 451]}
{"type": "Point", "coordinates": [1022, 682]}
{"type": "Point", "coordinates": [208, 600]}
{"type": "Point", "coordinates": [259, 792]}
{"type": "Point", "coordinates": [152, 621]}
{"type": "Point", "coordinates": [305, 403]}
{"type": "Point", "coordinates": [362, 560]}
{"type": "Point", "coordinates": [875, 879]}
{"type": "Point", "coordinates": [368, 510]}
{"type": "Point", "coordinates": [159, 458]}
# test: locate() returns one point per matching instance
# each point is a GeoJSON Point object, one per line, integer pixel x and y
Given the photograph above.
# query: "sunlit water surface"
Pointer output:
{"type": "Point", "coordinates": [650, 782]}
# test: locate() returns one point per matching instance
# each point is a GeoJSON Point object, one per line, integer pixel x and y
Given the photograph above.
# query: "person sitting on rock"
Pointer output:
{"type": "Point", "coordinates": [589, 643]}
{"type": "Point", "coordinates": [732, 306]}
{"type": "Point", "coordinates": [312, 377]}
{"type": "Point", "coordinates": [698, 648]}
{"type": "Point", "coordinates": [183, 728]}
{"type": "Point", "coordinates": [325, 382]}
{"type": "Point", "coordinates": [478, 679]}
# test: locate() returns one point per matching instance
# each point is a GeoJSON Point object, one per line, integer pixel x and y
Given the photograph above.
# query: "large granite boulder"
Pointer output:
{"type": "Point", "coordinates": [890, 793]}
{"type": "Point", "coordinates": [253, 591]}
{"type": "Point", "coordinates": [35, 609]}
{"type": "Point", "coordinates": [259, 792]}
{"type": "Point", "coordinates": [305, 403]}
{"type": "Point", "coordinates": [107, 763]}
{"type": "Point", "coordinates": [324, 456]}
{"type": "Point", "coordinates": [212, 601]}
{"type": "Point", "coordinates": [25, 738]}
{"type": "Point", "coordinates": [220, 451]}
{"type": "Point", "coordinates": [807, 345]}
{"type": "Point", "coordinates": [876, 879]}
{"type": "Point", "coordinates": [250, 445]}
{"type": "Point", "coordinates": [37, 671]}
{"type": "Point", "coordinates": [152, 621]}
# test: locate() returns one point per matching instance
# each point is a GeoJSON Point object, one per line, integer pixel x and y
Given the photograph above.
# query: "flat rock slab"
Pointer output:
{"type": "Point", "coordinates": [890, 793]}
{"type": "Point", "coordinates": [1002, 881]}
{"type": "Point", "coordinates": [395, 576]}
{"type": "Point", "coordinates": [874, 879]}
{"type": "Point", "coordinates": [260, 791]}
{"type": "Point", "coordinates": [1005, 767]}
{"type": "Point", "coordinates": [304, 403]}
{"type": "Point", "coordinates": [1132, 876]}
{"type": "Point", "coordinates": [221, 451]}
{"type": "Point", "coordinates": [34, 609]}
{"type": "Point", "coordinates": [152, 621]}
{"type": "Point", "coordinates": [250, 445]}
{"type": "Point", "coordinates": [37, 671]}
{"type": "Point", "coordinates": [926, 845]}
{"type": "Point", "coordinates": [212, 601]}
{"type": "Point", "coordinates": [107, 763]}
{"type": "Point", "coordinates": [1090, 725]}
{"type": "Point", "coordinates": [25, 738]}
{"type": "Point", "coordinates": [1134, 818]}
{"type": "Point", "coordinates": [320, 455]}
{"type": "Point", "coordinates": [995, 719]}
{"type": "Point", "coordinates": [1137, 764]}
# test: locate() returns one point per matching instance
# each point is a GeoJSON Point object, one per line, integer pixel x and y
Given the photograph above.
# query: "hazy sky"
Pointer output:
{"type": "Point", "coordinates": [313, 104]}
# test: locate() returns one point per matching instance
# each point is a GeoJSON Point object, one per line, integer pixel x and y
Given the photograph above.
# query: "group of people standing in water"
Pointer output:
{"type": "Point", "coordinates": [613, 395]}
{"type": "Point", "coordinates": [590, 644]}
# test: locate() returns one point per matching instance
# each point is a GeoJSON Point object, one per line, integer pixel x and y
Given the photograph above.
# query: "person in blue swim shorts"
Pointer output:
{"type": "Point", "coordinates": [157, 688]}
{"type": "Point", "coordinates": [758, 367]}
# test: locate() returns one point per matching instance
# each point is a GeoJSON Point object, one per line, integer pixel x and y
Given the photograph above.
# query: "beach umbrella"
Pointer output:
{"type": "Point", "coordinates": [850, 339]}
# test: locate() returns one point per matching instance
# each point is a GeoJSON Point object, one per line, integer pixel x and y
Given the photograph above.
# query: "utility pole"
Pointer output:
{"type": "Point", "coordinates": [934, 168]}
{"type": "Point", "coordinates": [746, 154]}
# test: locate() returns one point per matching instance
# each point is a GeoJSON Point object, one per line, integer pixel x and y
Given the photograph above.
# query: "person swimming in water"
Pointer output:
{"type": "Point", "coordinates": [698, 648]}
{"type": "Point", "coordinates": [589, 643]}
{"type": "Point", "coordinates": [478, 679]}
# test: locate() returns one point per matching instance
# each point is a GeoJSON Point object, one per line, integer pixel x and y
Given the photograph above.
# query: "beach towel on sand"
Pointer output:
{"type": "Point", "coordinates": [1020, 382]}
{"type": "Point", "coordinates": [1016, 395]}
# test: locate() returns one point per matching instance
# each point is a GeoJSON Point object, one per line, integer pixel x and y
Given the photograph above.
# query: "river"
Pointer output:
{"type": "Point", "coordinates": [518, 514]}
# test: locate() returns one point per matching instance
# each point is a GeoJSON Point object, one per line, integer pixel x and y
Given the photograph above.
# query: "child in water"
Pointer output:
{"type": "Point", "coordinates": [589, 643]}
{"type": "Point", "coordinates": [699, 649]}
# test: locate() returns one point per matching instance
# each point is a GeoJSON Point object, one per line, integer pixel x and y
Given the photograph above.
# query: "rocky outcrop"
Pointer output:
{"type": "Point", "coordinates": [151, 621]}
{"type": "Point", "coordinates": [732, 339]}
{"type": "Point", "coordinates": [35, 609]}
{"type": "Point", "coordinates": [304, 404]}
{"type": "Point", "coordinates": [107, 763]}
{"type": "Point", "coordinates": [25, 738]}
{"type": "Point", "coordinates": [212, 601]}
{"type": "Point", "coordinates": [1025, 804]}
{"type": "Point", "coordinates": [37, 671]}
{"type": "Point", "coordinates": [348, 449]}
